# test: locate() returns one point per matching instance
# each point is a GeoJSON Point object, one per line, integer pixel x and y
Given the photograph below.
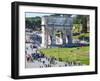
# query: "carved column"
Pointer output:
{"type": "Point", "coordinates": [69, 36]}
{"type": "Point", "coordinates": [64, 36]}
{"type": "Point", "coordinates": [53, 37]}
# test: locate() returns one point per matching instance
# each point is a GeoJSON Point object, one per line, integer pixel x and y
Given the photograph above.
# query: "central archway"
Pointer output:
{"type": "Point", "coordinates": [59, 36]}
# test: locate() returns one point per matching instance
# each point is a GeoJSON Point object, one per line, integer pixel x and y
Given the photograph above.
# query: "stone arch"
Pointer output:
{"type": "Point", "coordinates": [50, 30]}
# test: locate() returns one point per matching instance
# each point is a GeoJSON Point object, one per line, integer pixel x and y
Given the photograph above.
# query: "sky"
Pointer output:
{"type": "Point", "coordinates": [32, 14]}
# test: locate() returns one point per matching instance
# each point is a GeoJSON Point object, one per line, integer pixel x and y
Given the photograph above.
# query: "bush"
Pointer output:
{"type": "Point", "coordinates": [60, 59]}
{"type": "Point", "coordinates": [84, 36]}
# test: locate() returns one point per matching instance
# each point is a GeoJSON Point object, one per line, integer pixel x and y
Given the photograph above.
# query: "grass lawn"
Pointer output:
{"type": "Point", "coordinates": [69, 54]}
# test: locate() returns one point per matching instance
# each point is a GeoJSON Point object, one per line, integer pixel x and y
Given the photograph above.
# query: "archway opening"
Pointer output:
{"type": "Point", "coordinates": [59, 40]}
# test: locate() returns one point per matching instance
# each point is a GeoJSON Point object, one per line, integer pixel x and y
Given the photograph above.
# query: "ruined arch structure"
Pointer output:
{"type": "Point", "coordinates": [52, 24]}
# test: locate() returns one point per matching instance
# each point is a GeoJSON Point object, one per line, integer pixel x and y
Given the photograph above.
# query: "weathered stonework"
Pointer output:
{"type": "Point", "coordinates": [53, 24]}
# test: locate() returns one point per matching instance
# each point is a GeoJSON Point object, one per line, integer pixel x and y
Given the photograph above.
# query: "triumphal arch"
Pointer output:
{"type": "Point", "coordinates": [56, 27]}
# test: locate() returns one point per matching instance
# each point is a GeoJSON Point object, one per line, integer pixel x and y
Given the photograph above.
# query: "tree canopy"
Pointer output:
{"type": "Point", "coordinates": [81, 19]}
{"type": "Point", "coordinates": [33, 22]}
